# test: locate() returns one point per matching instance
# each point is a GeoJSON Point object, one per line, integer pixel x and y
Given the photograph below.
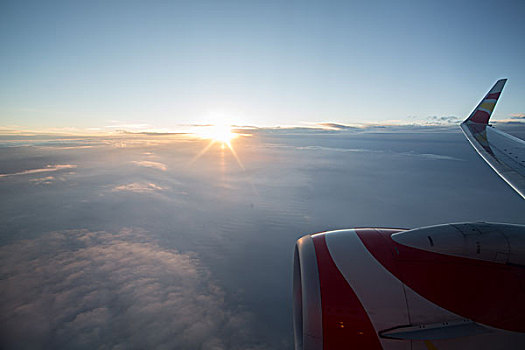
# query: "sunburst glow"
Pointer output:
{"type": "Point", "coordinates": [218, 133]}
{"type": "Point", "coordinates": [222, 134]}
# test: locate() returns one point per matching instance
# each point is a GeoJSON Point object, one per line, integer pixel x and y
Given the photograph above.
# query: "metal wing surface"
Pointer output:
{"type": "Point", "coordinates": [503, 152]}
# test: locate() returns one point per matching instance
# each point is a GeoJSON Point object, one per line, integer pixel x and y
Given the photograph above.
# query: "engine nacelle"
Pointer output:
{"type": "Point", "coordinates": [454, 285]}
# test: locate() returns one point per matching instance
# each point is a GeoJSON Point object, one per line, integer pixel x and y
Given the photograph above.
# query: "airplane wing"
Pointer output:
{"type": "Point", "coordinates": [503, 152]}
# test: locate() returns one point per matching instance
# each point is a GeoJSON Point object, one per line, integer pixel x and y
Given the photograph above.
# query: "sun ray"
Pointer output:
{"type": "Point", "coordinates": [222, 134]}
{"type": "Point", "coordinates": [202, 152]}
{"type": "Point", "coordinates": [236, 156]}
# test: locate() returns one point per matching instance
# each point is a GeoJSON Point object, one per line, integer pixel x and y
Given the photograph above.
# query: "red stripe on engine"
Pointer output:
{"type": "Point", "coordinates": [345, 322]}
{"type": "Point", "coordinates": [489, 293]}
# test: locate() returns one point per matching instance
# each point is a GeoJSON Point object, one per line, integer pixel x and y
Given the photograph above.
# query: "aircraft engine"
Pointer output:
{"type": "Point", "coordinates": [453, 286]}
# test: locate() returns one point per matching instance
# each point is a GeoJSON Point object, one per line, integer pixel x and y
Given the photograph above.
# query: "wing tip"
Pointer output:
{"type": "Point", "coordinates": [482, 113]}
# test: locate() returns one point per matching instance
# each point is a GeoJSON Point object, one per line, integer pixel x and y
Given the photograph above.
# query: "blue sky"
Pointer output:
{"type": "Point", "coordinates": [161, 64]}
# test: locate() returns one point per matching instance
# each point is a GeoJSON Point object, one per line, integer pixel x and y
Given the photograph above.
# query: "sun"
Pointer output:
{"type": "Point", "coordinates": [218, 133]}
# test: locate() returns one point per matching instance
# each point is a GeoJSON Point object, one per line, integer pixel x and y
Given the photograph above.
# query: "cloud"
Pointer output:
{"type": "Point", "coordinates": [443, 120]}
{"type": "Point", "coordinates": [430, 156]}
{"type": "Point", "coordinates": [66, 147]}
{"type": "Point", "coordinates": [337, 126]}
{"type": "Point", "coordinates": [333, 149]}
{"type": "Point", "coordinates": [43, 180]}
{"type": "Point", "coordinates": [82, 289]}
{"type": "Point", "coordinates": [48, 168]}
{"type": "Point", "coordinates": [138, 187]}
{"type": "Point", "coordinates": [150, 164]}
{"type": "Point", "coordinates": [515, 118]}
{"type": "Point", "coordinates": [128, 126]}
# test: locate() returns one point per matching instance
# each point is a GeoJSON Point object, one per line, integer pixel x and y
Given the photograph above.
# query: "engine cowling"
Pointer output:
{"type": "Point", "coordinates": [392, 288]}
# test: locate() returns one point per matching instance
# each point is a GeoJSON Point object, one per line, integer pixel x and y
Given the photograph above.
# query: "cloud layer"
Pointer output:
{"type": "Point", "coordinates": [101, 287]}
{"type": "Point", "coordinates": [82, 289]}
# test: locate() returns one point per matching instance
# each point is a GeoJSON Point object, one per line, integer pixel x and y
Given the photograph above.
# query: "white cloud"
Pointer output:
{"type": "Point", "coordinates": [128, 126]}
{"type": "Point", "coordinates": [150, 164]}
{"type": "Point", "coordinates": [429, 156]}
{"type": "Point", "coordinates": [43, 180]}
{"type": "Point", "coordinates": [139, 187]}
{"type": "Point", "coordinates": [81, 289]}
{"type": "Point", "coordinates": [65, 147]}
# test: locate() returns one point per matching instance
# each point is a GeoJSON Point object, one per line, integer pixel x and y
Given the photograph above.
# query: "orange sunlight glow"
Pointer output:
{"type": "Point", "coordinates": [222, 134]}
{"type": "Point", "coordinates": [217, 133]}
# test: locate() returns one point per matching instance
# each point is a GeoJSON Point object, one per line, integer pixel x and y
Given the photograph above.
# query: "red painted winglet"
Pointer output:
{"type": "Point", "coordinates": [481, 114]}
{"type": "Point", "coordinates": [345, 322]}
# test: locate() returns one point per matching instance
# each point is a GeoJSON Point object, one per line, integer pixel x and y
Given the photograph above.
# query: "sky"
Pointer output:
{"type": "Point", "coordinates": [131, 241]}
{"type": "Point", "coordinates": [98, 66]}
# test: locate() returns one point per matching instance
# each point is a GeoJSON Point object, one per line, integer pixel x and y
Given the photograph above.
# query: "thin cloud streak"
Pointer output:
{"type": "Point", "coordinates": [43, 180]}
{"type": "Point", "coordinates": [128, 126]}
{"type": "Point", "coordinates": [49, 168]}
{"type": "Point", "coordinates": [430, 156]}
{"type": "Point", "coordinates": [139, 187]}
{"type": "Point", "coordinates": [150, 164]}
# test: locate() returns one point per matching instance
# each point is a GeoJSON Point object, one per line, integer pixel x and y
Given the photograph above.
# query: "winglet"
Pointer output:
{"type": "Point", "coordinates": [484, 110]}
